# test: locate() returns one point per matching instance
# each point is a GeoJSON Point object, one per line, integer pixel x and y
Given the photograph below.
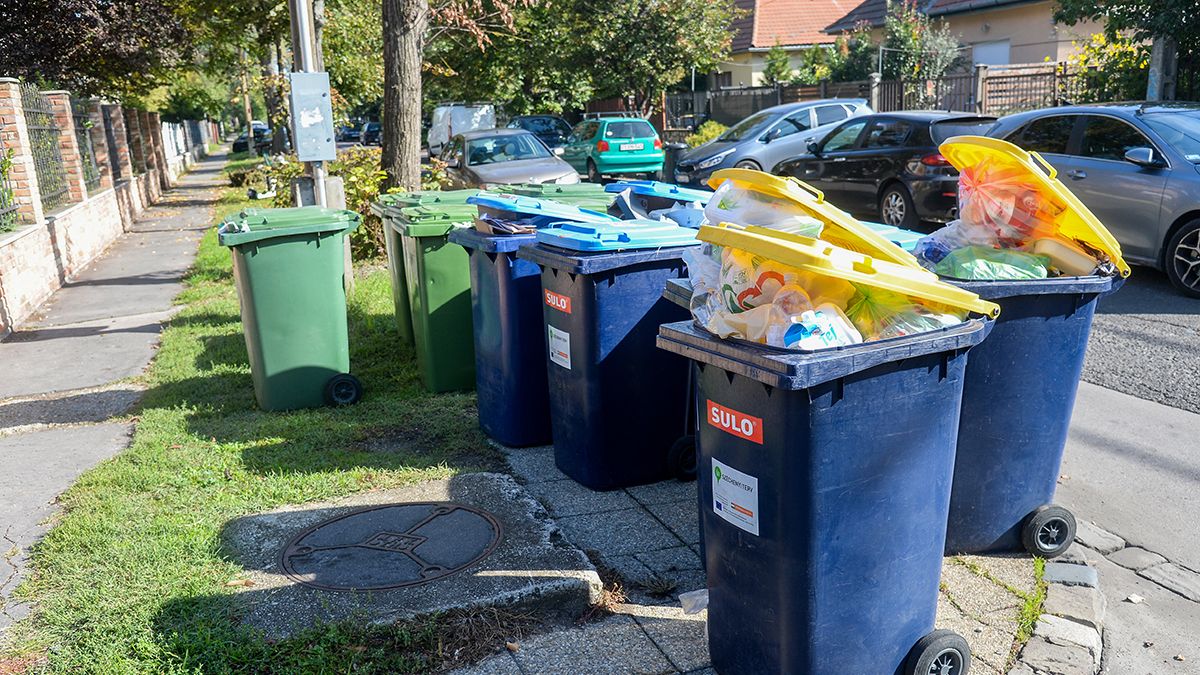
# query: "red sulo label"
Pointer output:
{"type": "Point", "coordinates": [733, 422]}
{"type": "Point", "coordinates": [560, 302]}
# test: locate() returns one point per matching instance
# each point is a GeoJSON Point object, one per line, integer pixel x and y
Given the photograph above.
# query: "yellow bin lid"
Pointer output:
{"type": "Point", "coordinates": [840, 228]}
{"type": "Point", "coordinates": [1074, 220]}
{"type": "Point", "coordinates": [821, 257]}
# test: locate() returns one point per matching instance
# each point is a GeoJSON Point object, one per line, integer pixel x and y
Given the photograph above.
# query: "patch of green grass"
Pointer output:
{"type": "Point", "coordinates": [133, 576]}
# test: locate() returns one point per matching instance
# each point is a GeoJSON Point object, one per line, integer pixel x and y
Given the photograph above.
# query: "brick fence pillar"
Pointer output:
{"type": "Point", "coordinates": [148, 152]}
{"type": "Point", "coordinates": [160, 151]}
{"type": "Point", "coordinates": [115, 118]}
{"type": "Point", "coordinates": [14, 136]}
{"type": "Point", "coordinates": [68, 144]}
{"type": "Point", "coordinates": [99, 138]}
{"type": "Point", "coordinates": [133, 136]}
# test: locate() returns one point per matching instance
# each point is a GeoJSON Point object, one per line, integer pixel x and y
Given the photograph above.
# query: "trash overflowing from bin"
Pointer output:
{"type": "Point", "coordinates": [1015, 220]}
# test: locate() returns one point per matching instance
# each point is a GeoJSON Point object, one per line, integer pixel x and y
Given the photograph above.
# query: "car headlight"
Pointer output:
{"type": "Point", "coordinates": [568, 178]}
{"type": "Point", "coordinates": [714, 160]}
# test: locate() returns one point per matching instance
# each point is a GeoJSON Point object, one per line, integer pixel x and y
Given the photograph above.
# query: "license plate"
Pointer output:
{"type": "Point", "coordinates": [632, 146]}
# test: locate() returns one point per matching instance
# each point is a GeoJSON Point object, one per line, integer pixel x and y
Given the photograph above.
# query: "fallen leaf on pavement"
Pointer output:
{"type": "Point", "coordinates": [512, 647]}
{"type": "Point", "coordinates": [240, 582]}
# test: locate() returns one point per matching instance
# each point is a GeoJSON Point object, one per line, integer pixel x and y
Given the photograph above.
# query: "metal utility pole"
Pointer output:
{"type": "Point", "coordinates": [304, 58]}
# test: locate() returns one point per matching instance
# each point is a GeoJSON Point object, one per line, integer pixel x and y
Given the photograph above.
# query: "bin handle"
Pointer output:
{"type": "Point", "coordinates": [808, 188]}
{"type": "Point", "coordinates": [1049, 169]}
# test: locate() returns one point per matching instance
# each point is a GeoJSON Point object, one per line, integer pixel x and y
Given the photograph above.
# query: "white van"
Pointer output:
{"type": "Point", "coordinates": [455, 118]}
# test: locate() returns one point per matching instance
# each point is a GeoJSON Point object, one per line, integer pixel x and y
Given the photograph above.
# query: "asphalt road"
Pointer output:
{"type": "Point", "coordinates": [1146, 342]}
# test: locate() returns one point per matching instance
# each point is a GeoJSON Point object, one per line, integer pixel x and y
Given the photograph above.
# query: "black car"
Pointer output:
{"type": "Point", "coordinates": [372, 134]}
{"type": "Point", "coordinates": [887, 165]}
{"type": "Point", "coordinates": [349, 133]}
{"type": "Point", "coordinates": [551, 130]}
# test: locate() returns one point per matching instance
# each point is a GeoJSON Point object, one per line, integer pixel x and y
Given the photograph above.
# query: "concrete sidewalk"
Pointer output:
{"type": "Point", "coordinates": [67, 371]}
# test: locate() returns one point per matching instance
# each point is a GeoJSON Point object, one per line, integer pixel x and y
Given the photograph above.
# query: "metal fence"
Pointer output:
{"type": "Point", "coordinates": [8, 202]}
{"type": "Point", "coordinates": [110, 137]}
{"type": "Point", "coordinates": [43, 141]}
{"type": "Point", "coordinates": [952, 92]}
{"type": "Point", "coordinates": [137, 150]}
{"type": "Point", "coordinates": [730, 106]}
{"type": "Point", "coordinates": [83, 139]}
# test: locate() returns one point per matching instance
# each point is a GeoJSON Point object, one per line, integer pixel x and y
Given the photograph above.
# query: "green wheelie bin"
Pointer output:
{"type": "Point", "coordinates": [288, 267]}
{"type": "Point", "coordinates": [395, 254]}
{"type": "Point", "coordinates": [438, 280]}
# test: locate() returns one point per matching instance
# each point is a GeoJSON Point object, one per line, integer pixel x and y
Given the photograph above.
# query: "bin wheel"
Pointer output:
{"type": "Point", "coordinates": [682, 458]}
{"type": "Point", "coordinates": [1048, 531]}
{"type": "Point", "coordinates": [343, 389]}
{"type": "Point", "coordinates": [942, 652]}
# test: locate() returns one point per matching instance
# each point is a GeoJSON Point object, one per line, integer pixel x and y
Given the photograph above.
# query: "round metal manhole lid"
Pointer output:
{"type": "Point", "coordinates": [391, 546]}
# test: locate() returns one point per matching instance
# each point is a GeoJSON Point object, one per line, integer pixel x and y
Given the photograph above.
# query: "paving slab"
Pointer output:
{"type": "Point", "coordinates": [1136, 558]}
{"type": "Point", "coordinates": [616, 645]}
{"type": "Point", "coordinates": [664, 492]}
{"type": "Point", "coordinates": [567, 498]}
{"type": "Point", "coordinates": [682, 638]}
{"type": "Point", "coordinates": [618, 532]}
{"type": "Point", "coordinates": [1064, 632]}
{"type": "Point", "coordinates": [1070, 575]}
{"type": "Point", "coordinates": [674, 559]}
{"type": "Point", "coordinates": [1010, 569]}
{"type": "Point", "coordinates": [681, 518]}
{"type": "Point", "coordinates": [1175, 578]}
{"type": "Point", "coordinates": [1050, 659]}
{"type": "Point", "coordinates": [530, 569]}
{"type": "Point", "coordinates": [35, 468]}
{"type": "Point", "coordinates": [1096, 538]}
{"type": "Point", "coordinates": [76, 407]}
{"type": "Point", "coordinates": [1083, 605]}
{"type": "Point", "coordinates": [533, 465]}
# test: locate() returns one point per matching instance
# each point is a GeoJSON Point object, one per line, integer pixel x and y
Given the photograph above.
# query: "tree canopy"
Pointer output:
{"type": "Point", "coordinates": [1140, 19]}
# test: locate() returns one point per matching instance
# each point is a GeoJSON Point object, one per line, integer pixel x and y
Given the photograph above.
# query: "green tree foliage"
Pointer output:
{"type": "Point", "coordinates": [640, 47]}
{"type": "Point", "coordinates": [1140, 20]}
{"type": "Point", "coordinates": [706, 133]}
{"type": "Point", "coordinates": [352, 43]}
{"type": "Point", "coordinates": [916, 47]}
{"type": "Point", "coordinates": [777, 68]}
{"type": "Point", "coordinates": [1108, 69]}
{"type": "Point", "coordinates": [194, 96]}
{"type": "Point", "coordinates": [853, 56]}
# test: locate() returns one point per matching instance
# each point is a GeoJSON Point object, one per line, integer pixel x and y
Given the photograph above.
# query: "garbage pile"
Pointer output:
{"type": "Point", "coordinates": [771, 273]}
{"type": "Point", "coordinates": [1016, 222]}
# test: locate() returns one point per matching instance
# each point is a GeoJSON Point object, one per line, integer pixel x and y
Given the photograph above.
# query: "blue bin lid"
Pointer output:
{"type": "Point", "coordinates": [653, 188]}
{"type": "Point", "coordinates": [532, 207]}
{"type": "Point", "coordinates": [793, 370]}
{"type": "Point", "coordinates": [622, 235]}
{"type": "Point", "coordinates": [471, 238]}
{"type": "Point", "coordinates": [602, 262]}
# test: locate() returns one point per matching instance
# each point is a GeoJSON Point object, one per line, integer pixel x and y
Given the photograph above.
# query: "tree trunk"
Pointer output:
{"type": "Point", "coordinates": [273, 97]}
{"type": "Point", "coordinates": [404, 25]}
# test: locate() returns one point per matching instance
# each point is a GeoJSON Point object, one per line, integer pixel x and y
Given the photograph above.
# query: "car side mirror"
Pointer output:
{"type": "Point", "coordinates": [1143, 157]}
{"type": "Point", "coordinates": [558, 151]}
{"type": "Point", "coordinates": [452, 163]}
{"type": "Point", "coordinates": [772, 135]}
{"type": "Point", "coordinates": [813, 148]}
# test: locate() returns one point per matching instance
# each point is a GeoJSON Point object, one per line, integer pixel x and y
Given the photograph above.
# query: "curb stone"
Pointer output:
{"type": "Point", "coordinates": [1068, 637]}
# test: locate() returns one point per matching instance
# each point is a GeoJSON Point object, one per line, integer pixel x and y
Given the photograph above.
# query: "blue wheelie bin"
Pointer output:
{"type": "Point", "coordinates": [1017, 402]}
{"type": "Point", "coordinates": [602, 287]}
{"type": "Point", "coordinates": [652, 195]}
{"type": "Point", "coordinates": [506, 309]}
{"type": "Point", "coordinates": [824, 482]}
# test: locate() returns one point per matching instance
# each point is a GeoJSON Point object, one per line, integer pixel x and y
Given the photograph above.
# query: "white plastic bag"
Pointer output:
{"type": "Point", "coordinates": [733, 204]}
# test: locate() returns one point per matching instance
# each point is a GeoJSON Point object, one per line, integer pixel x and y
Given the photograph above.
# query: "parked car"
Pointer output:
{"type": "Point", "coordinates": [349, 133]}
{"type": "Point", "coordinates": [767, 138]}
{"type": "Point", "coordinates": [614, 144]}
{"type": "Point", "coordinates": [553, 130]}
{"type": "Point", "coordinates": [371, 133]}
{"type": "Point", "coordinates": [491, 157]}
{"type": "Point", "coordinates": [262, 138]}
{"type": "Point", "coordinates": [1136, 166]}
{"type": "Point", "coordinates": [450, 119]}
{"type": "Point", "coordinates": [887, 165]}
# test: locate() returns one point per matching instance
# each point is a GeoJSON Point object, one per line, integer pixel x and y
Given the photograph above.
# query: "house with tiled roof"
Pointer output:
{"type": "Point", "coordinates": [998, 32]}
{"type": "Point", "coordinates": [795, 25]}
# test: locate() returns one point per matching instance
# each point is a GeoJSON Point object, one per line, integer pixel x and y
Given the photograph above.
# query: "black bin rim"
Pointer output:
{"type": "Point", "coordinates": [998, 289]}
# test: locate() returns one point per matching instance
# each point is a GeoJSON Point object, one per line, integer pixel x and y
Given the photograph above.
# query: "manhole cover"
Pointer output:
{"type": "Point", "coordinates": [391, 546]}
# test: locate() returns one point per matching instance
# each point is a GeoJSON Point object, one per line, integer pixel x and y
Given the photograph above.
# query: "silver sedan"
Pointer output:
{"type": "Point", "coordinates": [492, 157]}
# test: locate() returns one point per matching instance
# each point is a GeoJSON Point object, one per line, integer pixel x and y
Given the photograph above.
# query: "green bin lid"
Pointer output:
{"type": "Point", "coordinates": [432, 220]}
{"type": "Point", "coordinates": [255, 224]}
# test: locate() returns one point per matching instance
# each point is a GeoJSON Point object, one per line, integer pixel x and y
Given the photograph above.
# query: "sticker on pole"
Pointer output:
{"type": "Point", "coordinates": [735, 497]}
{"type": "Point", "coordinates": [559, 342]}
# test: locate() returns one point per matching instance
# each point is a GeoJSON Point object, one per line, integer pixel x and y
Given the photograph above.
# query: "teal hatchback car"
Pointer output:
{"type": "Point", "coordinates": [614, 146]}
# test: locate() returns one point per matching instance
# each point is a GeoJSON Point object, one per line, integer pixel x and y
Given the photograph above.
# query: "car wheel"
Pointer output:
{"type": "Point", "coordinates": [896, 208]}
{"type": "Point", "coordinates": [1183, 259]}
{"type": "Point", "coordinates": [748, 164]}
{"type": "Point", "coordinates": [593, 173]}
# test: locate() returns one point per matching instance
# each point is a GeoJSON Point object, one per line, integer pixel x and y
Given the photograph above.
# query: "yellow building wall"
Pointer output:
{"type": "Point", "coordinates": [1030, 29]}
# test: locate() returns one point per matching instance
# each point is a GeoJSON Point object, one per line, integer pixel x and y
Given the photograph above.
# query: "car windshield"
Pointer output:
{"type": "Point", "coordinates": [1180, 129]}
{"type": "Point", "coordinates": [507, 148]}
{"type": "Point", "coordinates": [962, 126]}
{"type": "Point", "coordinates": [631, 129]}
{"type": "Point", "coordinates": [544, 125]}
{"type": "Point", "coordinates": [748, 128]}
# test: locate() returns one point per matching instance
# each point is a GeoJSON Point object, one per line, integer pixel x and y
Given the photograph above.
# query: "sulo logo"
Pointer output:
{"type": "Point", "coordinates": [560, 302]}
{"type": "Point", "coordinates": [733, 422]}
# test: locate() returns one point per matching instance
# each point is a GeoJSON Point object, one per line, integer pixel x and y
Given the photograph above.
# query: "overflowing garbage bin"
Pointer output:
{"type": "Point", "coordinates": [288, 266]}
{"type": "Point", "coordinates": [506, 308]}
{"type": "Point", "coordinates": [825, 477]}
{"type": "Point", "coordinates": [602, 302]}
{"type": "Point", "coordinates": [1026, 242]}
{"type": "Point", "coordinates": [438, 284]}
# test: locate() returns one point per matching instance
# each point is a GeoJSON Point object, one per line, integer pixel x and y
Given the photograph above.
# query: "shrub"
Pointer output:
{"type": "Point", "coordinates": [707, 132]}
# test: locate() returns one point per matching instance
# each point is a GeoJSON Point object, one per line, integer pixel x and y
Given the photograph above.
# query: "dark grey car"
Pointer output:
{"type": "Point", "coordinates": [1136, 166]}
{"type": "Point", "coordinates": [491, 157]}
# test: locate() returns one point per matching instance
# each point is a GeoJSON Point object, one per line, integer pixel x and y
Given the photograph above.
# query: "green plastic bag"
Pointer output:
{"type": "Point", "coordinates": [975, 263]}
